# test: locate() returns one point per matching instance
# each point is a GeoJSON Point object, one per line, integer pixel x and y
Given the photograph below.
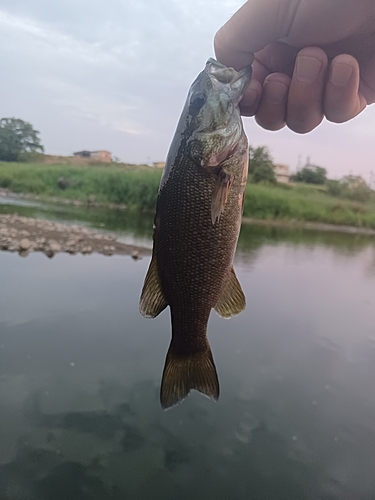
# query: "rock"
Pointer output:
{"type": "Point", "coordinates": [136, 255]}
{"type": "Point", "coordinates": [108, 250]}
{"type": "Point", "coordinates": [86, 250]}
{"type": "Point", "coordinates": [63, 183]}
{"type": "Point", "coordinates": [23, 253]}
{"type": "Point", "coordinates": [71, 243]}
{"type": "Point", "coordinates": [24, 244]}
{"type": "Point", "coordinates": [91, 200]}
{"type": "Point", "coordinates": [54, 246]}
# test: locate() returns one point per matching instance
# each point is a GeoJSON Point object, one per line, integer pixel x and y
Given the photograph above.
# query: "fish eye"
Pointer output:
{"type": "Point", "coordinates": [197, 101]}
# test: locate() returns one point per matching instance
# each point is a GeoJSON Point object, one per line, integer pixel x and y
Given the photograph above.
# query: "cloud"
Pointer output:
{"type": "Point", "coordinates": [116, 73]}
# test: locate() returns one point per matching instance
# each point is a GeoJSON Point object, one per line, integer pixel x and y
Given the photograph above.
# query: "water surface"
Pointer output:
{"type": "Point", "coordinates": [80, 373]}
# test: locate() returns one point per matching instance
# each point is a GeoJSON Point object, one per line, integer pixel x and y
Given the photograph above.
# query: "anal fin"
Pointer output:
{"type": "Point", "coordinates": [232, 300]}
{"type": "Point", "coordinates": [183, 373]}
{"type": "Point", "coordinates": [152, 301]}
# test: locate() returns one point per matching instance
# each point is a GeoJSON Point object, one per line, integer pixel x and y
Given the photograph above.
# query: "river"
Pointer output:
{"type": "Point", "coordinates": [80, 373]}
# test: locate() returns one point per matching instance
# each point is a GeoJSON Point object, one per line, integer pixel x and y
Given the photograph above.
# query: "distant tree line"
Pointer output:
{"type": "Point", "coordinates": [310, 174]}
{"type": "Point", "coordinates": [16, 138]}
{"type": "Point", "coordinates": [262, 170]}
{"type": "Point", "coordinates": [261, 166]}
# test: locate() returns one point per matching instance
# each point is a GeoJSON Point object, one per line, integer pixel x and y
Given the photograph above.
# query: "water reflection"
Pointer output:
{"type": "Point", "coordinates": [80, 374]}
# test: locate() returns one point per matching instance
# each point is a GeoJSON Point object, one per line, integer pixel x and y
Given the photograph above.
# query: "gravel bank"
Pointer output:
{"type": "Point", "coordinates": [25, 235]}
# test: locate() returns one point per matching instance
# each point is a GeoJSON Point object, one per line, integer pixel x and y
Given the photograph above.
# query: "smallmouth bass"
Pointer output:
{"type": "Point", "coordinates": [196, 228]}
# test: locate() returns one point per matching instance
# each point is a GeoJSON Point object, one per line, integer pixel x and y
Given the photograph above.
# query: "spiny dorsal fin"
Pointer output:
{"type": "Point", "coordinates": [220, 195]}
{"type": "Point", "coordinates": [182, 374]}
{"type": "Point", "coordinates": [152, 300]}
{"type": "Point", "coordinates": [232, 299]}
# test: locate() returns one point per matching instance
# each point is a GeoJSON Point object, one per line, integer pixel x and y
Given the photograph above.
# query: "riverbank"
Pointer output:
{"type": "Point", "coordinates": [112, 184]}
{"type": "Point", "coordinates": [312, 226]}
{"type": "Point", "coordinates": [26, 234]}
{"type": "Point", "coordinates": [121, 188]}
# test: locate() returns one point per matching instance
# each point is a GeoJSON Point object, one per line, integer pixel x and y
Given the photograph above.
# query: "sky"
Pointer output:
{"type": "Point", "coordinates": [114, 75]}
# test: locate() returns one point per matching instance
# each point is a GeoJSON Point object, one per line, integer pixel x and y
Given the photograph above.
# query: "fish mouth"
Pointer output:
{"type": "Point", "coordinates": [228, 75]}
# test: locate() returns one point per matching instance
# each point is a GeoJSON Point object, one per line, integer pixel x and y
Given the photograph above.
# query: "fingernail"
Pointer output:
{"type": "Point", "coordinates": [340, 74]}
{"type": "Point", "coordinates": [307, 69]}
{"type": "Point", "coordinates": [275, 92]}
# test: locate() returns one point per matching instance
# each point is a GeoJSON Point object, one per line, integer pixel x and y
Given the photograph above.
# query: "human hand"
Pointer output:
{"type": "Point", "coordinates": [310, 59]}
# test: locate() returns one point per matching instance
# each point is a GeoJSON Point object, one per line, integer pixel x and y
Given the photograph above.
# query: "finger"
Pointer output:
{"type": "Point", "coordinates": [251, 98]}
{"type": "Point", "coordinates": [275, 58]}
{"type": "Point", "coordinates": [305, 100]}
{"type": "Point", "coordinates": [271, 112]}
{"type": "Point", "coordinates": [251, 28]}
{"type": "Point", "coordinates": [343, 101]}
{"type": "Point", "coordinates": [367, 82]}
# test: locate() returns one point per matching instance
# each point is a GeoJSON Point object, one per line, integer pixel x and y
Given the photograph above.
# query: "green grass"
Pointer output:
{"type": "Point", "coordinates": [137, 188]}
{"type": "Point", "coordinates": [306, 203]}
{"type": "Point", "coordinates": [134, 188]}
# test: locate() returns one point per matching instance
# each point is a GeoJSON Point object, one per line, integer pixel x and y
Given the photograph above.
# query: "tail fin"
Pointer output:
{"type": "Point", "coordinates": [181, 374]}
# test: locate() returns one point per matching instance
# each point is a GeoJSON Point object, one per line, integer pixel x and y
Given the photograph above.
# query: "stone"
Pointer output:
{"type": "Point", "coordinates": [108, 250]}
{"type": "Point", "coordinates": [63, 183]}
{"type": "Point", "coordinates": [24, 244]}
{"type": "Point", "coordinates": [54, 246]}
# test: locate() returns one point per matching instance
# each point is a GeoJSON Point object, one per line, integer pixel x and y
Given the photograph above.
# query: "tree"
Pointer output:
{"type": "Point", "coordinates": [16, 137]}
{"type": "Point", "coordinates": [352, 187]}
{"type": "Point", "coordinates": [311, 174]}
{"type": "Point", "coordinates": [261, 167]}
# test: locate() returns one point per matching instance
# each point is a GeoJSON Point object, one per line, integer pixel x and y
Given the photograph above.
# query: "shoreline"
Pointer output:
{"type": "Point", "coordinates": [280, 223]}
{"type": "Point", "coordinates": [309, 226]}
{"type": "Point", "coordinates": [26, 234]}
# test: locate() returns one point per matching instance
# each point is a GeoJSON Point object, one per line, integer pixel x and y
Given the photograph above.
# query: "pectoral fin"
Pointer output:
{"type": "Point", "coordinates": [232, 300]}
{"type": "Point", "coordinates": [220, 195]}
{"type": "Point", "coordinates": [152, 300]}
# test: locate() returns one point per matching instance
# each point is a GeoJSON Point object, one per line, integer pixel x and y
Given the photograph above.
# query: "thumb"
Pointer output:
{"type": "Point", "coordinates": [256, 24]}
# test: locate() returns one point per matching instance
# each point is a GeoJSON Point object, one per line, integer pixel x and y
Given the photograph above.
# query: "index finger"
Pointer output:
{"type": "Point", "coordinates": [256, 24]}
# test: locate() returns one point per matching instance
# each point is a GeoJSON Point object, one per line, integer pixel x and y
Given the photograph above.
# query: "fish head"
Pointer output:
{"type": "Point", "coordinates": [210, 126]}
{"type": "Point", "coordinates": [213, 116]}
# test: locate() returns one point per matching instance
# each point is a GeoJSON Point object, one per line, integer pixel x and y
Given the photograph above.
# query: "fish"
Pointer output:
{"type": "Point", "coordinates": [196, 228]}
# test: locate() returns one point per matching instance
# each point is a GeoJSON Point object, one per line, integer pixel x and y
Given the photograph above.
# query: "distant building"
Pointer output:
{"type": "Point", "coordinates": [104, 156]}
{"type": "Point", "coordinates": [158, 164]}
{"type": "Point", "coordinates": [282, 173]}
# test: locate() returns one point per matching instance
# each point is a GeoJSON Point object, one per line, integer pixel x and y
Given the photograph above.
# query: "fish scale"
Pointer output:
{"type": "Point", "coordinates": [196, 228]}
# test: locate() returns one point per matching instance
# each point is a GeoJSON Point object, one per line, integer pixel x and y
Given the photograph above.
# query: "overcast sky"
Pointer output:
{"type": "Point", "coordinates": [114, 74]}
